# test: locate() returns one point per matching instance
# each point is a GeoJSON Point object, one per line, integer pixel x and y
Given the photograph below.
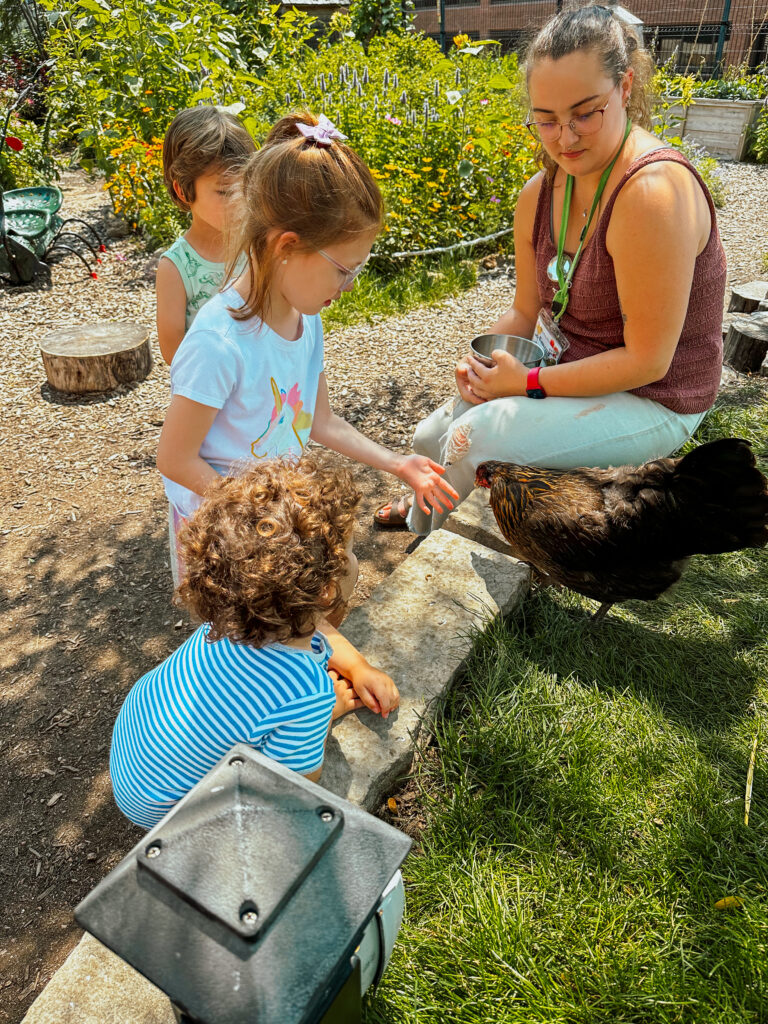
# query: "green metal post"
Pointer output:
{"type": "Point", "coordinates": [721, 38]}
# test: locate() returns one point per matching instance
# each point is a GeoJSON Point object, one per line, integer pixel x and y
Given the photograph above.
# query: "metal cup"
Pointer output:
{"type": "Point", "coordinates": [527, 351]}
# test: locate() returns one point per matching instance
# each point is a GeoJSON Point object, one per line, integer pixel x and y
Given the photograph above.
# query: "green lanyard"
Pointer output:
{"type": "Point", "coordinates": [560, 298]}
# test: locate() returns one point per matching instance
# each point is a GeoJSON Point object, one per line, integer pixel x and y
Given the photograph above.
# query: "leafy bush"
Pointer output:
{"type": "Point", "coordinates": [134, 63]}
{"type": "Point", "coordinates": [138, 192]}
{"type": "Point", "coordinates": [34, 165]}
{"type": "Point", "coordinates": [443, 135]}
{"type": "Point", "coordinates": [378, 17]}
{"type": "Point", "coordinates": [738, 83]}
{"type": "Point", "coordinates": [758, 146]}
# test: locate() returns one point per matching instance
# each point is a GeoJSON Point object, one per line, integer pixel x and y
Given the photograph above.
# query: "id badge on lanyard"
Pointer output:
{"type": "Point", "coordinates": [549, 338]}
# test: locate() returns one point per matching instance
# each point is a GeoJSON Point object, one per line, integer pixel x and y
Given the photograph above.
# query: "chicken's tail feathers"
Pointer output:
{"type": "Point", "coordinates": [723, 496]}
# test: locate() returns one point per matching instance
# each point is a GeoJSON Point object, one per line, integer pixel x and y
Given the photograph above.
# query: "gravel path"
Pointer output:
{"type": "Point", "coordinates": [744, 221]}
{"type": "Point", "coordinates": [85, 591]}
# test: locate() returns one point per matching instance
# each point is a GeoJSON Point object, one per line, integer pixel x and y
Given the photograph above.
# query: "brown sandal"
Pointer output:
{"type": "Point", "coordinates": [394, 519]}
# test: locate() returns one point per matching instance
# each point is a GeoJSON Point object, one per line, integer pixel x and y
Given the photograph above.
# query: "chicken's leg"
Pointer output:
{"type": "Point", "coordinates": [602, 611]}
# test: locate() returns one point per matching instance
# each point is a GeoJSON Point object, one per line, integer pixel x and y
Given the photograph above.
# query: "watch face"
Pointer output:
{"type": "Point", "coordinates": [535, 393]}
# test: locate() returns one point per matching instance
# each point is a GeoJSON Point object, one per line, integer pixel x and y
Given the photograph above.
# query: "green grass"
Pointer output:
{"type": "Point", "coordinates": [584, 799]}
{"type": "Point", "coordinates": [418, 282]}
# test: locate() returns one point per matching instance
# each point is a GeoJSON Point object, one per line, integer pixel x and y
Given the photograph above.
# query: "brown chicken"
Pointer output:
{"type": "Point", "coordinates": [627, 533]}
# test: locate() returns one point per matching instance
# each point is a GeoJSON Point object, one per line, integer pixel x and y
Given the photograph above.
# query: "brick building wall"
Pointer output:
{"type": "Point", "coordinates": [688, 28]}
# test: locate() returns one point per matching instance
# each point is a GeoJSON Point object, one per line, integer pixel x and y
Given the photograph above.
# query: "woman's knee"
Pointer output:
{"type": "Point", "coordinates": [428, 433]}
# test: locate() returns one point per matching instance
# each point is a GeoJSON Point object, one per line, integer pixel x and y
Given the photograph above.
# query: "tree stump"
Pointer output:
{"type": "Point", "coordinates": [746, 343]}
{"type": "Point", "coordinates": [96, 357]}
{"type": "Point", "coordinates": [745, 298]}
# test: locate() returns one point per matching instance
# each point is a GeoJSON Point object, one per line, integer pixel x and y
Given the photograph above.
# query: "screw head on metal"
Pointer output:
{"type": "Point", "coordinates": [326, 815]}
{"type": "Point", "coordinates": [236, 762]}
{"type": "Point", "coordinates": [153, 851]}
{"type": "Point", "coordinates": [249, 918]}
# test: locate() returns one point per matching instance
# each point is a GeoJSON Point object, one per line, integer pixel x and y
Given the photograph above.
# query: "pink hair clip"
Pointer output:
{"type": "Point", "coordinates": [323, 133]}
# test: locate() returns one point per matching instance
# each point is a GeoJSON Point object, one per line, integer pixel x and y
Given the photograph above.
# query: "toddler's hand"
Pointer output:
{"type": "Point", "coordinates": [346, 698]}
{"type": "Point", "coordinates": [424, 477]}
{"type": "Point", "coordinates": [375, 689]}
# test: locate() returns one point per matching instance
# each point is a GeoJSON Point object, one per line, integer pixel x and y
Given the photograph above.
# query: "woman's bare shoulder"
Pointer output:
{"type": "Point", "coordinates": [662, 190]}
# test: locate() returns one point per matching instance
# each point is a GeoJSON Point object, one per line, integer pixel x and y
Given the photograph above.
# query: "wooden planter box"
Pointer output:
{"type": "Point", "coordinates": [720, 126]}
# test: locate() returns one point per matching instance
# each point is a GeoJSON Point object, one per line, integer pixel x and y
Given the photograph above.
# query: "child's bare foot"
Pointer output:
{"type": "Point", "coordinates": [346, 698]}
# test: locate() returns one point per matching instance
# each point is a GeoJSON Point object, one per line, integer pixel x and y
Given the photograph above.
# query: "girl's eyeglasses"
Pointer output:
{"type": "Point", "coordinates": [349, 275]}
{"type": "Point", "coordinates": [580, 124]}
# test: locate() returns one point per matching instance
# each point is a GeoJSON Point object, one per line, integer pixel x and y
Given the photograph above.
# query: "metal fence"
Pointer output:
{"type": "Point", "coordinates": [704, 36]}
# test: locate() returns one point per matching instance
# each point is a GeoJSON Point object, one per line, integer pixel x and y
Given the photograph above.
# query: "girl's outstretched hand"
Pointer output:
{"type": "Point", "coordinates": [424, 477]}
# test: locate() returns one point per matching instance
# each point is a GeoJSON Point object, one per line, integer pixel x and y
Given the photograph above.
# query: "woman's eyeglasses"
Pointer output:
{"type": "Point", "coordinates": [349, 275]}
{"type": "Point", "coordinates": [580, 124]}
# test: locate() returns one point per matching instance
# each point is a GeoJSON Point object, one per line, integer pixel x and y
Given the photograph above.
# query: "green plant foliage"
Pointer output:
{"type": "Point", "coordinates": [737, 83]}
{"type": "Point", "coordinates": [369, 18]}
{"type": "Point", "coordinates": [443, 135]}
{"type": "Point", "coordinates": [127, 65]}
{"type": "Point", "coordinates": [34, 165]}
{"type": "Point", "coordinates": [758, 145]}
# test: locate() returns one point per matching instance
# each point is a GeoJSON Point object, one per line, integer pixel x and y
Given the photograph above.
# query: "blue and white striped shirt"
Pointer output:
{"type": "Point", "coordinates": [181, 718]}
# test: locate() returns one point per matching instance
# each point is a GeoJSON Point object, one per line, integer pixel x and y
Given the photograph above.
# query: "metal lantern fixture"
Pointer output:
{"type": "Point", "coordinates": [261, 898]}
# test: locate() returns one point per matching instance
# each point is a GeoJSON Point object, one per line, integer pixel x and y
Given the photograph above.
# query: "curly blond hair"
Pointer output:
{"type": "Point", "coordinates": [265, 553]}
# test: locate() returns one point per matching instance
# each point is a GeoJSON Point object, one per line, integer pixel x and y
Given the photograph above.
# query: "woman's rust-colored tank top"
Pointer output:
{"type": "Point", "coordinates": [593, 321]}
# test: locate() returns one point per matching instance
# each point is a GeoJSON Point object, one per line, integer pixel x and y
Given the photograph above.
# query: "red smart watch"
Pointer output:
{"type": "Point", "coordinates": [532, 387]}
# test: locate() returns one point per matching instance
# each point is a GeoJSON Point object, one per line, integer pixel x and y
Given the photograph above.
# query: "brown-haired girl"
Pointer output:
{"type": "Point", "coordinates": [617, 255]}
{"type": "Point", "coordinates": [268, 562]}
{"type": "Point", "coordinates": [203, 150]}
{"type": "Point", "coordinates": [248, 382]}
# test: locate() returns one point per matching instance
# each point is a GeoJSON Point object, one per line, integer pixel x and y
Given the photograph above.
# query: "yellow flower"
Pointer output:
{"type": "Point", "coordinates": [390, 167]}
{"type": "Point", "coordinates": [461, 41]}
{"type": "Point", "coordinates": [406, 200]}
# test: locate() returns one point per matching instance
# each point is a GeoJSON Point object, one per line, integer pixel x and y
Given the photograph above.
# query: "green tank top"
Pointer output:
{"type": "Point", "coordinates": [201, 278]}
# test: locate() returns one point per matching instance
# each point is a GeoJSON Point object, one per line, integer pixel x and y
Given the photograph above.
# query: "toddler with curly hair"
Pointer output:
{"type": "Point", "coordinates": [268, 560]}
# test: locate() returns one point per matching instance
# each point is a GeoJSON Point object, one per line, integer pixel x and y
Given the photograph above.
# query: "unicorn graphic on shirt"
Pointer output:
{"type": "Point", "coordinates": [287, 423]}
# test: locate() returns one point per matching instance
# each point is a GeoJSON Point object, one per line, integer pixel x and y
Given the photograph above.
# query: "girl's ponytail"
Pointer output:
{"type": "Point", "coordinates": [324, 193]}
